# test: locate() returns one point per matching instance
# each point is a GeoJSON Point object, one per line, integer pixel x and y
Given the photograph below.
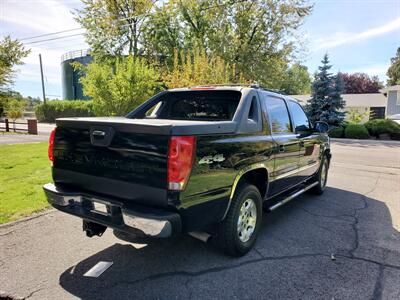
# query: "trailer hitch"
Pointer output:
{"type": "Point", "coordinates": [93, 229]}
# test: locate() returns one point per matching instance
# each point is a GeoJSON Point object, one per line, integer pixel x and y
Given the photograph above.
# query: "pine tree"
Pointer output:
{"type": "Point", "coordinates": [326, 101]}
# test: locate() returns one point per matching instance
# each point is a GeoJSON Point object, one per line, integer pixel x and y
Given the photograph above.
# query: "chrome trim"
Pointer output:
{"type": "Point", "coordinates": [61, 200]}
{"type": "Point", "coordinates": [150, 227]}
{"type": "Point", "coordinates": [292, 196]}
{"type": "Point", "coordinates": [294, 171]}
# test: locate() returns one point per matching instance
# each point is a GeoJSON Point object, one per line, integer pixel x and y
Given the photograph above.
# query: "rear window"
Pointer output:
{"type": "Point", "coordinates": [195, 105]}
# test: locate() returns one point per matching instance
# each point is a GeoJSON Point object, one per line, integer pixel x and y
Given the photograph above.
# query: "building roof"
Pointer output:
{"type": "Point", "coordinates": [354, 100]}
{"type": "Point", "coordinates": [390, 88]}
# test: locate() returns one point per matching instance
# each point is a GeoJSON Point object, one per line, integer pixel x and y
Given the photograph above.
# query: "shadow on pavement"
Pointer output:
{"type": "Point", "coordinates": [294, 248]}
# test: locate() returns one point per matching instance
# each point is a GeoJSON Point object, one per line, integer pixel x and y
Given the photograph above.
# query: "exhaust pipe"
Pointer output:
{"type": "Point", "coordinates": [200, 235]}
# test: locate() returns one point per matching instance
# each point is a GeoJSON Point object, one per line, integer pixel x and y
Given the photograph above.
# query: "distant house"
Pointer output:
{"type": "Point", "coordinates": [393, 99]}
{"type": "Point", "coordinates": [375, 103]}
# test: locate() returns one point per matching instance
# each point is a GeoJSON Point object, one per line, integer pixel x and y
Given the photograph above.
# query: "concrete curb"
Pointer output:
{"type": "Point", "coordinates": [365, 141]}
{"type": "Point", "coordinates": [33, 216]}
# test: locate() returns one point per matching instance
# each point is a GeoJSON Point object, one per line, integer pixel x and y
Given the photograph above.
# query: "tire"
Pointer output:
{"type": "Point", "coordinates": [235, 239]}
{"type": "Point", "coordinates": [321, 177]}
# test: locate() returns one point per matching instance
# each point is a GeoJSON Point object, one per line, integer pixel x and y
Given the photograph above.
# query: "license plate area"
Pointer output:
{"type": "Point", "coordinates": [101, 207]}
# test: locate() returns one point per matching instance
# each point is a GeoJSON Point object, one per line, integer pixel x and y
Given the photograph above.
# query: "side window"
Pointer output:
{"type": "Point", "coordinates": [300, 120]}
{"type": "Point", "coordinates": [278, 115]}
{"type": "Point", "coordinates": [253, 111]}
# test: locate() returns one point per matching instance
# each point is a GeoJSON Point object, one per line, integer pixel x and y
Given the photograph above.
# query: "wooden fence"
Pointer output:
{"type": "Point", "coordinates": [11, 126]}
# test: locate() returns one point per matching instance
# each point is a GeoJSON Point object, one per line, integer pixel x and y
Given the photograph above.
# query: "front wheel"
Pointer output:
{"type": "Point", "coordinates": [237, 233]}
{"type": "Point", "coordinates": [321, 177]}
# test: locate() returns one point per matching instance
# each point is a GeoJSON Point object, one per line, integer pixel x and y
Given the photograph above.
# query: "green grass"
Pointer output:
{"type": "Point", "coordinates": [24, 169]}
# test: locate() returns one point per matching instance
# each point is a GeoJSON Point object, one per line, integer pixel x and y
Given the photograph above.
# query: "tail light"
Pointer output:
{"type": "Point", "coordinates": [180, 159]}
{"type": "Point", "coordinates": [51, 145]}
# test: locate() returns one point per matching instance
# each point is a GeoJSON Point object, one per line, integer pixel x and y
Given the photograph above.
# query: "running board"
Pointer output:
{"type": "Point", "coordinates": [292, 196]}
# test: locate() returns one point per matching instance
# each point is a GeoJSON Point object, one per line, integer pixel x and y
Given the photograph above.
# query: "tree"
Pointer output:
{"type": "Point", "coordinates": [360, 83]}
{"type": "Point", "coordinates": [11, 53]}
{"type": "Point", "coordinates": [118, 86]}
{"type": "Point", "coordinates": [326, 103]}
{"type": "Point", "coordinates": [14, 109]}
{"type": "Point", "coordinates": [297, 80]}
{"type": "Point", "coordinates": [394, 70]}
{"type": "Point", "coordinates": [199, 69]}
{"type": "Point", "coordinates": [113, 27]}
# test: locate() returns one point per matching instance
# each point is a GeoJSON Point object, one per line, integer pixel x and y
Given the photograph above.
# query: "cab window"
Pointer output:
{"type": "Point", "coordinates": [300, 120]}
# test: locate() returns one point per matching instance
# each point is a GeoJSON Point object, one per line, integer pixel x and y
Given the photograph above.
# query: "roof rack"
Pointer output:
{"type": "Point", "coordinates": [252, 85]}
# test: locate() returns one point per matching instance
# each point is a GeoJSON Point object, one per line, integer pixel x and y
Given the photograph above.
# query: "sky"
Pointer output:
{"type": "Point", "coordinates": [358, 35]}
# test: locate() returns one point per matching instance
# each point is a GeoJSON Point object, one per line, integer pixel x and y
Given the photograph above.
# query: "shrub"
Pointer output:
{"type": "Point", "coordinates": [337, 132]}
{"type": "Point", "coordinates": [356, 131]}
{"type": "Point", "coordinates": [52, 110]}
{"type": "Point", "coordinates": [118, 86]}
{"type": "Point", "coordinates": [381, 126]}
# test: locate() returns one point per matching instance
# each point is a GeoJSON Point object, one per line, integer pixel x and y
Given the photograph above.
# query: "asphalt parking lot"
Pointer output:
{"type": "Point", "coordinates": [344, 244]}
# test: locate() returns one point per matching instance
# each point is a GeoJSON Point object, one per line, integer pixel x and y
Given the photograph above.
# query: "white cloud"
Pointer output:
{"type": "Point", "coordinates": [372, 70]}
{"type": "Point", "coordinates": [23, 19]}
{"type": "Point", "coordinates": [342, 38]}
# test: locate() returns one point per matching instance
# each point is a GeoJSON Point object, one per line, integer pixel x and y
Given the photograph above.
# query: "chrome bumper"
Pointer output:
{"type": "Point", "coordinates": [154, 223]}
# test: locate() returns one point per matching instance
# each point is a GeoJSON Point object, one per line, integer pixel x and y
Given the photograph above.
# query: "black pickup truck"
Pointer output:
{"type": "Point", "coordinates": [204, 160]}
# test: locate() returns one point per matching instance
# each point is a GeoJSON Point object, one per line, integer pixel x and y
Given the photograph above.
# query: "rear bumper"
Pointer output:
{"type": "Point", "coordinates": [129, 218]}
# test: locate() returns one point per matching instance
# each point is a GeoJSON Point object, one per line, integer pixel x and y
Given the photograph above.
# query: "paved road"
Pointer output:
{"type": "Point", "coordinates": [44, 130]}
{"type": "Point", "coordinates": [357, 221]}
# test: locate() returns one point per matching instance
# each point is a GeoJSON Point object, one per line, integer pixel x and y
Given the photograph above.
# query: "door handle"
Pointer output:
{"type": "Point", "coordinates": [281, 148]}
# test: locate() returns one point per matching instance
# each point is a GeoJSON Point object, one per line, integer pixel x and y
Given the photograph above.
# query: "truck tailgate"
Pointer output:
{"type": "Point", "coordinates": [119, 162]}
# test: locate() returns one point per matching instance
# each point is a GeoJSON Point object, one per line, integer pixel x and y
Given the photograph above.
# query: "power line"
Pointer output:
{"type": "Point", "coordinates": [52, 39]}
{"type": "Point", "coordinates": [48, 34]}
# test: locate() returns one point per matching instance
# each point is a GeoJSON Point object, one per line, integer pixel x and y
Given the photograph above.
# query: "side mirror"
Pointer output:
{"type": "Point", "coordinates": [321, 127]}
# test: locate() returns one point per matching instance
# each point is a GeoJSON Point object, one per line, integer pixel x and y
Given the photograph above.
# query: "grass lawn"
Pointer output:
{"type": "Point", "coordinates": [24, 168]}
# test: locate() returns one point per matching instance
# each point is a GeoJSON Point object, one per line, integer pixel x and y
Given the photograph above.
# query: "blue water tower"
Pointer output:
{"type": "Point", "coordinates": [71, 87]}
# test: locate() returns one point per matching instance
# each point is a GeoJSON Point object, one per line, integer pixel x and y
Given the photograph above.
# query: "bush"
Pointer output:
{"type": "Point", "coordinates": [52, 110]}
{"type": "Point", "coordinates": [337, 132]}
{"type": "Point", "coordinates": [382, 126]}
{"type": "Point", "coordinates": [356, 131]}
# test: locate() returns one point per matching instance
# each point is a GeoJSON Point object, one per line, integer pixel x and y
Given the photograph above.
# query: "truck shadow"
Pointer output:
{"type": "Point", "coordinates": [339, 222]}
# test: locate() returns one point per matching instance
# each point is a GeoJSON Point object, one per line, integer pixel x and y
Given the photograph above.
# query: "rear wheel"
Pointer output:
{"type": "Point", "coordinates": [321, 177]}
{"type": "Point", "coordinates": [237, 233]}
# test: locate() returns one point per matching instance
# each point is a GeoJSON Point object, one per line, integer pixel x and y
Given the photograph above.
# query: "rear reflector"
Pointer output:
{"type": "Point", "coordinates": [180, 159]}
{"type": "Point", "coordinates": [51, 144]}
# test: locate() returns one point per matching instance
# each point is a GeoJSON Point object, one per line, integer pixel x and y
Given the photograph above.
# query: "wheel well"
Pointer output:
{"type": "Point", "coordinates": [257, 177]}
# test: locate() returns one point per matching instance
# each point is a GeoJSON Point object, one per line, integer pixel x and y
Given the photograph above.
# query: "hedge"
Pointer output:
{"type": "Point", "coordinates": [337, 132]}
{"type": "Point", "coordinates": [382, 126]}
{"type": "Point", "coordinates": [52, 110]}
{"type": "Point", "coordinates": [356, 131]}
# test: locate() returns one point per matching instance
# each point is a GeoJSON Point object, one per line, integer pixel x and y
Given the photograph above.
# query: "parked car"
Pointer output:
{"type": "Point", "coordinates": [202, 160]}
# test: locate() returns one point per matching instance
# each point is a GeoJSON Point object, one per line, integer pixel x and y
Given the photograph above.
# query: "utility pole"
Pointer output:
{"type": "Point", "coordinates": [41, 73]}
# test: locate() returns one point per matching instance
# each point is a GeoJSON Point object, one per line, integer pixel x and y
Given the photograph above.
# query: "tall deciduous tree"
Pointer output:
{"type": "Point", "coordinates": [253, 35]}
{"type": "Point", "coordinates": [394, 70]}
{"type": "Point", "coordinates": [326, 103]}
{"type": "Point", "coordinates": [297, 80]}
{"type": "Point", "coordinates": [11, 54]}
{"type": "Point", "coordinates": [113, 27]}
{"type": "Point", "coordinates": [360, 83]}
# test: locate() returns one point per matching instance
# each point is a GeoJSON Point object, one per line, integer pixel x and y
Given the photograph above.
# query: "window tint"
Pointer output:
{"type": "Point", "coordinates": [300, 119]}
{"type": "Point", "coordinates": [278, 115]}
{"type": "Point", "coordinates": [196, 105]}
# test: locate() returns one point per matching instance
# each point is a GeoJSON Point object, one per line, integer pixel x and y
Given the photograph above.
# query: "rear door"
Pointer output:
{"type": "Point", "coordinates": [309, 143]}
{"type": "Point", "coordinates": [287, 144]}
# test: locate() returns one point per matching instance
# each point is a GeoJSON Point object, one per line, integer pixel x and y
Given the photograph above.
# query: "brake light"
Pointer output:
{"type": "Point", "coordinates": [51, 144]}
{"type": "Point", "coordinates": [180, 159]}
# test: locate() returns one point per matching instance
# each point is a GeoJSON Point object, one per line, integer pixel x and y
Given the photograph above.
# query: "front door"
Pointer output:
{"type": "Point", "coordinates": [310, 146]}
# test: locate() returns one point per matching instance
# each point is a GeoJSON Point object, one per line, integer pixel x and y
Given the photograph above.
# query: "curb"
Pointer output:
{"type": "Point", "coordinates": [33, 216]}
{"type": "Point", "coordinates": [365, 141]}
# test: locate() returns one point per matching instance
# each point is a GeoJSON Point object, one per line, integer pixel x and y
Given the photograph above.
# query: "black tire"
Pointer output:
{"type": "Point", "coordinates": [321, 186]}
{"type": "Point", "coordinates": [227, 237]}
